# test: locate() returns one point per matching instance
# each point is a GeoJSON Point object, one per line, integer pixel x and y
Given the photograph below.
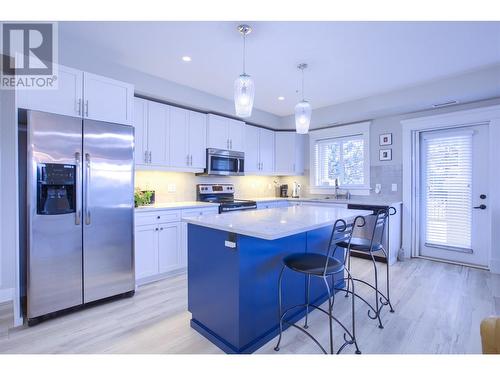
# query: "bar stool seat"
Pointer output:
{"type": "Point", "coordinates": [313, 264]}
{"type": "Point", "coordinates": [361, 244]}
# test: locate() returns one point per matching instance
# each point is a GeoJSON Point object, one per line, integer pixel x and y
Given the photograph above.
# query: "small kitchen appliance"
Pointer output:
{"type": "Point", "coordinates": [284, 191]}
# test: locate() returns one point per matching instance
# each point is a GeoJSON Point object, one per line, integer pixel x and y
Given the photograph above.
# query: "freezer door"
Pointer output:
{"type": "Point", "coordinates": [54, 230]}
{"type": "Point", "coordinates": [108, 210]}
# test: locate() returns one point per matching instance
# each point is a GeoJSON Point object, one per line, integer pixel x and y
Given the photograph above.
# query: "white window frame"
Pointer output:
{"type": "Point", "coordinates": [362, 130]}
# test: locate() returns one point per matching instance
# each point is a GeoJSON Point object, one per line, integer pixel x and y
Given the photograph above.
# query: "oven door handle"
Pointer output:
{"type": "Point", "coordinates": [238, 167]}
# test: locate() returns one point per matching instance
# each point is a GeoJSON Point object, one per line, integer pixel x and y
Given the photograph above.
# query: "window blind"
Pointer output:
{"type": "Point", "coordinates": [449, 191]}
{"type": "Point", "coordinates": [339, 158]}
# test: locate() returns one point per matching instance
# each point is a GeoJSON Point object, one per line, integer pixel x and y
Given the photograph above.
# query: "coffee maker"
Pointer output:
{"type": "Point", "coordinates": [284, 191]}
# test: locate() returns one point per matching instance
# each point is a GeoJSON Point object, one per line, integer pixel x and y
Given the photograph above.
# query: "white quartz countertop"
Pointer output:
{"type": "Point", "coordinates": [274, 223]}
{"type": "Point", "coordinates": [175, 206]}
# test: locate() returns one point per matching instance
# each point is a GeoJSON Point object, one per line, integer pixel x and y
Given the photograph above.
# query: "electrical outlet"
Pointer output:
{"type": "Point", "coordinates": [378, 188]}
{"type": "Point", "coordinates": [171, 188]}
{"type": "Point", "coordinates": [394, 187]}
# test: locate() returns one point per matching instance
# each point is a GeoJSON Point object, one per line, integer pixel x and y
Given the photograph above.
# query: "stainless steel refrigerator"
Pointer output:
{"type": "Point", "coordinates": [79, 212]}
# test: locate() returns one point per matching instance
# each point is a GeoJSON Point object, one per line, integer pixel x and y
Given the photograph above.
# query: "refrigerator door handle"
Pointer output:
{"type": "Point", "coordinates": [87, 186]}
{"type": "Point", "coordinates": [78, 211]}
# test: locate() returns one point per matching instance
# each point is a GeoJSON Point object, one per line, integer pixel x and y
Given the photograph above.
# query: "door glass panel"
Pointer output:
{"type": "Point", "coordinates": [448, 190]}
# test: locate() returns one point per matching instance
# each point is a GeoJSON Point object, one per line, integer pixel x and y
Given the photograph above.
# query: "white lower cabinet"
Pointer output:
{"type": "Point", "coordinates": [161, 242]}
{"type": "Point", "coordinates": [169, 249]}
{"type": "Point", "coordinates": [146, 251]}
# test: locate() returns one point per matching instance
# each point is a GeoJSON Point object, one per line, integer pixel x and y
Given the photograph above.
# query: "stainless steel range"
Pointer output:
{"type": "Point", "coordinates": [224, 195]}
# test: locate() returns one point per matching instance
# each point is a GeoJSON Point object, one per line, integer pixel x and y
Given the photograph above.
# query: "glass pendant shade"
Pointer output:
{"type": "Point", "coordinates": [244, 92]}
{"type": "Point", "coordinates": [302, 117]}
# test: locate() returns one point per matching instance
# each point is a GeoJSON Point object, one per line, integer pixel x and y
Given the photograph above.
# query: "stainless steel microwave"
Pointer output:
{"type": "Point", "coordinates": [225, 162]}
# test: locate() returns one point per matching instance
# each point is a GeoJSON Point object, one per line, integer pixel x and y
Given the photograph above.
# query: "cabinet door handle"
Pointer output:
{"type": "Point", "coordinates": [156, 229]}
{"type": "Point", "coordinates": [86, 108]}
{"type": "Point", "coordinates": [161, 228]}
{"type": "Point", "coordinates": [150, 157]}
{"type": "Point", "coordinates": [79, 107]}
{"type": "Point", "coordinates": [191, 160]}
{"type": "Point", "coordinates": [146, 156]}
{"type": "Point", "coordinates": [231, 144]}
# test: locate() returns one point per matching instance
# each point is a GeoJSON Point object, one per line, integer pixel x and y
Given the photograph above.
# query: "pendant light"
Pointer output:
{"type": "Point", "coordinates": [302, 109]}
{"type": "Point", "coordinates": [244, 89]}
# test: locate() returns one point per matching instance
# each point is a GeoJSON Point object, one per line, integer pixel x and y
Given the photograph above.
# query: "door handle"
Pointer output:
{"type": "Point", "coordinates": [481, 207]}
{"type": "Point", "coordinates": [146, 156]}
{"type": "Point", "coordinates": [78, 211]}
{"type": "Point", "coordinates": [87, 186]}
{"type": "Point", "coordinates": [190, 159]}
{"type": "Point", "coordinates": [79, 105]}
{"type": "Point", "coordinates": [86, 108]}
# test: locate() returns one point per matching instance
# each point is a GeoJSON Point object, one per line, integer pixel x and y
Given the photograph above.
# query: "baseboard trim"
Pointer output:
{"type": "Point", "coordinates": [6, 295]}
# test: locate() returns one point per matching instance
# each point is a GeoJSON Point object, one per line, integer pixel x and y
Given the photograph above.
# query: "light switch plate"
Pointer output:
{"type": "Point", "coordinates": [394, 187]}
{"type": "Point", "coordinates": [171, 188]}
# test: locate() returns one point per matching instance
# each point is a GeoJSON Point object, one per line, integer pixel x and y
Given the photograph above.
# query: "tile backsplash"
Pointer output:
{"type": "Point", "coordinates": [177, 186]}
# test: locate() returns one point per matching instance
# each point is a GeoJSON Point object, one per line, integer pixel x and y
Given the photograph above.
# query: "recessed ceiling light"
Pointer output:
{"type": "Point", "coordinates": [186, 58]}
{"type": "Point", "coordinates": [281, 98]}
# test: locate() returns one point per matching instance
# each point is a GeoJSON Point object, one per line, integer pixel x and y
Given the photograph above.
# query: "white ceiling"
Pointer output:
{"type": "Point", "coordinates": [347, 60]}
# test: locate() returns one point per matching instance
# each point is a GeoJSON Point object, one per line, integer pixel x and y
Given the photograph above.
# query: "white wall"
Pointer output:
{"type": "Point", "coordinates": [473, 86]}
{"type": "Point", "coordinates": [155, 87]}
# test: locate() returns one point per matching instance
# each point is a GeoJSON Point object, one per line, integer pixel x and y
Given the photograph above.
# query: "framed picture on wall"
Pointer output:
{"type": "Point", "coordinates": [385, 154]}
{"type": "Point", "coordinates": [385, 139]}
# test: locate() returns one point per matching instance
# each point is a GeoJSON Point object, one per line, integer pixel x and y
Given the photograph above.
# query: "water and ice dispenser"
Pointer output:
{"type": "Point", "coordinates": [56, 189]}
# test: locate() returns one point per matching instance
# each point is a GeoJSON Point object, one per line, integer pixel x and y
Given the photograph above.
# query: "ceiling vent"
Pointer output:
{"type": "Point", "coordinates": [445, 104]}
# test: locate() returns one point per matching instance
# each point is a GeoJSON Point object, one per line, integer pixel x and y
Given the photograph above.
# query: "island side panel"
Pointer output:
{"type": "Point", "coordinates": [260, 265]}
{"type": "Point", "coordinates": [213, 286]}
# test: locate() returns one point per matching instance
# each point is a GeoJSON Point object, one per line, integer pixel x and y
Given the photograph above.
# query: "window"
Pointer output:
{"type": "Point", "coordinates": [342, 159]}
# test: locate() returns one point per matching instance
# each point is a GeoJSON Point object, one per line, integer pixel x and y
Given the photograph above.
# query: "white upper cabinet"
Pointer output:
{"type": "Point", "coordinates": [158, 133]}
{"type": "Point", "coordinates": [141, 131]}
{"type": "Point", "coordinates": [106, 99]}
{"type": "Point", "coordinates": [236, 134]}
{"type": "Point", "coordinates": [259, 150]}
{"type": "Point", "coordinates": [289, 153]}
{"type": "Point", "coordinates": [266, 150]}
{"type": "Point", "coordinates": [197, 140]}
{"type": "Point", "coordinates": [217, 134]}
{"type": "Point", "coordinates": [188, 137]}
{"type": "Point", "coordinates": [179, 133]}
{"type": "Point", "coordinates": [225, 133]}
{"type": "Point", "coordinates": [82, 94]}
{"type": "Point", "coordinates": [66, 99]}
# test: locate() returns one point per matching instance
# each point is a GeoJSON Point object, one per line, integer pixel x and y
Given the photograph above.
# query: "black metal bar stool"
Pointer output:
{"type": "Point", "coordinates": [325, 267]}
{"type": "Point", "coordinates": [371, 246]}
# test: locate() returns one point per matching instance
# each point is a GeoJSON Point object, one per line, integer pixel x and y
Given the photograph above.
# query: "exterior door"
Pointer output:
{"type": "Point", "coordinates": [108, 210]}
{"type": "Point", "coordinates": [54, 237]}
{"type": "Point", "coordinates": [455, 220]}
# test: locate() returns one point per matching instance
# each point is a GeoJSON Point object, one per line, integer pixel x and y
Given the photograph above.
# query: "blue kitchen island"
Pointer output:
{"type": "Point", "coordinates": [234, 260]}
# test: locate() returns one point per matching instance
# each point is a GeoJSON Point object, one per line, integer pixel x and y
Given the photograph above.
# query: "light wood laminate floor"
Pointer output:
{"type": "Point", "coordinates": [438, 310]}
